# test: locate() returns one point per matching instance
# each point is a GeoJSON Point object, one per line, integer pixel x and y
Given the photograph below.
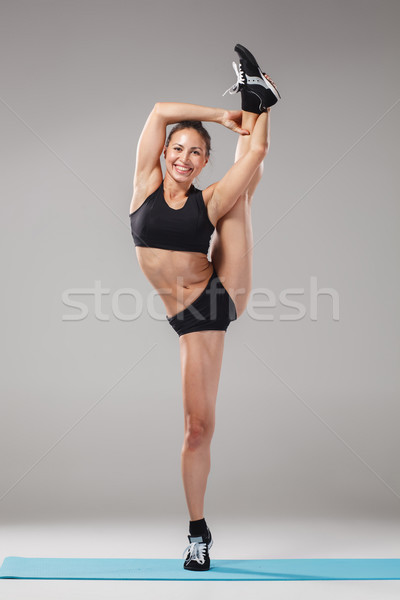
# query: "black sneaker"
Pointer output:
{"type": "Point", "coordinates": [196, 554]}
{"type": "Point", "coordinates": [258, 91]}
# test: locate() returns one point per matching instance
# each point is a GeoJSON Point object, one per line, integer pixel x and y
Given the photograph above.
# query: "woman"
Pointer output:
{"type": "Point", "coordinates": [172, 222]}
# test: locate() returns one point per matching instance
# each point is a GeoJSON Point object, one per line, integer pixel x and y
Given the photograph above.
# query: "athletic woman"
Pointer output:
{"type": "Point", "coordinates": [172, 223]}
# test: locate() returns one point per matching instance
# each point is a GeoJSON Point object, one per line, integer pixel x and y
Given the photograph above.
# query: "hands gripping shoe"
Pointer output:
{"type": "Point", "coordinates": [258, 91]}
{"type": "Point", "coordinates": [196, 554]}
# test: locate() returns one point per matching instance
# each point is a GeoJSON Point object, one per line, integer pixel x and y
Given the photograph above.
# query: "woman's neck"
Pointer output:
{"type": "Point", "coordinates": [174, 189]}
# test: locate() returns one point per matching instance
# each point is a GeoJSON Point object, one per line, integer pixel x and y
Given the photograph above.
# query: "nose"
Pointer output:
{"type": "Point", "coordinates": [186, 156]}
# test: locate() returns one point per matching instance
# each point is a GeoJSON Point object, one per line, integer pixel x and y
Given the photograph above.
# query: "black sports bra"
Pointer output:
{"type": "Point", "coordinates": [156, 225]}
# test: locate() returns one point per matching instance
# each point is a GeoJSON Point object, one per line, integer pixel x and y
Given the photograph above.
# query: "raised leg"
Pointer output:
{"type": "Point", "coordinates": [201, 359]}
{"type": "Point", "coordinates": [231, 247]}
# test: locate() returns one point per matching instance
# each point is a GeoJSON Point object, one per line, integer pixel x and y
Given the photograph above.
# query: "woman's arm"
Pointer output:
{"type": "Point", "coordinates": [148, 173]}
{"type": "Point", "coordinates": [173, 112]}
{"type": "Point", "coordinates": [148, 152]}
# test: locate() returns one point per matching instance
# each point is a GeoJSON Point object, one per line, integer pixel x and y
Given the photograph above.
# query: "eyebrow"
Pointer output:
{"type": "Point", "coordinates": [192, 148]}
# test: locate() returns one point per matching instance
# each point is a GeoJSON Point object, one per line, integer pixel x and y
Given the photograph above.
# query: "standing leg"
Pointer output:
{"type": "Point", "coordinates": [231, 247]}
{"type": "Point", "coordinates": [201, 359]}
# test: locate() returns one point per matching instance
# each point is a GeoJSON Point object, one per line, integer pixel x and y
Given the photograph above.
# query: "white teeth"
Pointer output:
{"type": "Point", "coordinates": [182, 169]}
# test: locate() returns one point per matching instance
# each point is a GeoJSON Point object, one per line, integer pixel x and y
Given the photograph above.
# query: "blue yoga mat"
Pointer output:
{"type": "Point", "coordinates": [221, 570]}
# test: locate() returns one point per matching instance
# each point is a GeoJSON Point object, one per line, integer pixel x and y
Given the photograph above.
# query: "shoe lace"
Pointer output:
{"type": "Point", "coordinates": [240, 79]}
{"type": "Point", "coordinates": [197, 551]}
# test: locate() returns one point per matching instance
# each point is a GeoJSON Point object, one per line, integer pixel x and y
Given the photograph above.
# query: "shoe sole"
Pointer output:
{"type": "Point", "coordinates": [193, 569]}
{"type": "Point", "coordinates": [249, 57]}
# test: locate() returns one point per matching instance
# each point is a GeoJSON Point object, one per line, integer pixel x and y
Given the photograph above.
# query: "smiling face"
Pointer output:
{"type": "Point", "coordinates": [186, 155]}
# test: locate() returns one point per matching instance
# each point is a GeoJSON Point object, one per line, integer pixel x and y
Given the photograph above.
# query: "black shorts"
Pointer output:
{"type": "Point", "coordinates": [214, 309]}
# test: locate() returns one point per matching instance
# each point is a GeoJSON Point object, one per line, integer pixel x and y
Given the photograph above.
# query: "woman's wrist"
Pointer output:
{"type": "Point", "coordinates": [219, 115]}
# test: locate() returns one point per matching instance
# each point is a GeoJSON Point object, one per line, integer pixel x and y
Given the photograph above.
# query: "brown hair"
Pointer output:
{"type": "Point", "coordinates": [197, 126]}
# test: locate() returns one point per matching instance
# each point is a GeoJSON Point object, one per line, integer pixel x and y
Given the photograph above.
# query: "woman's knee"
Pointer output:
{"type": "Point", "coordinates": [244, 201]}
{"type": "Point", "coordinates": [244, 197]}
{"type": "Point", "coordinates": [198, 431]}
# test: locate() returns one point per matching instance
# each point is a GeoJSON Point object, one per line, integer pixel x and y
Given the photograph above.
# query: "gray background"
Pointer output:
{"type": "Point", "coordinates": [307, 412]}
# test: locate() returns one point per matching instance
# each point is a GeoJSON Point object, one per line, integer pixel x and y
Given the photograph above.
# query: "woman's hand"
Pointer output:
{"type": "Point", "coordinates": [232, 119]}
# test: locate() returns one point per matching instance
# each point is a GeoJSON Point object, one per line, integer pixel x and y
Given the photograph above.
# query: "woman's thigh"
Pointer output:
{"type": "Point", "coordinates": [201, 360]}
{"type": "Point", "coordinates": [232, 252]}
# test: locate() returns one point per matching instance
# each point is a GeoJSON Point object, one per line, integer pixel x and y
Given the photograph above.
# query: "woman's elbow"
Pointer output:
{"type": "Point", "coordinates": [161, 112]}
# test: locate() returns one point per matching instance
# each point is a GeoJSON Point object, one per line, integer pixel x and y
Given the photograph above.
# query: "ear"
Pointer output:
{"type": "Point", "coordinates": [164, 151]}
